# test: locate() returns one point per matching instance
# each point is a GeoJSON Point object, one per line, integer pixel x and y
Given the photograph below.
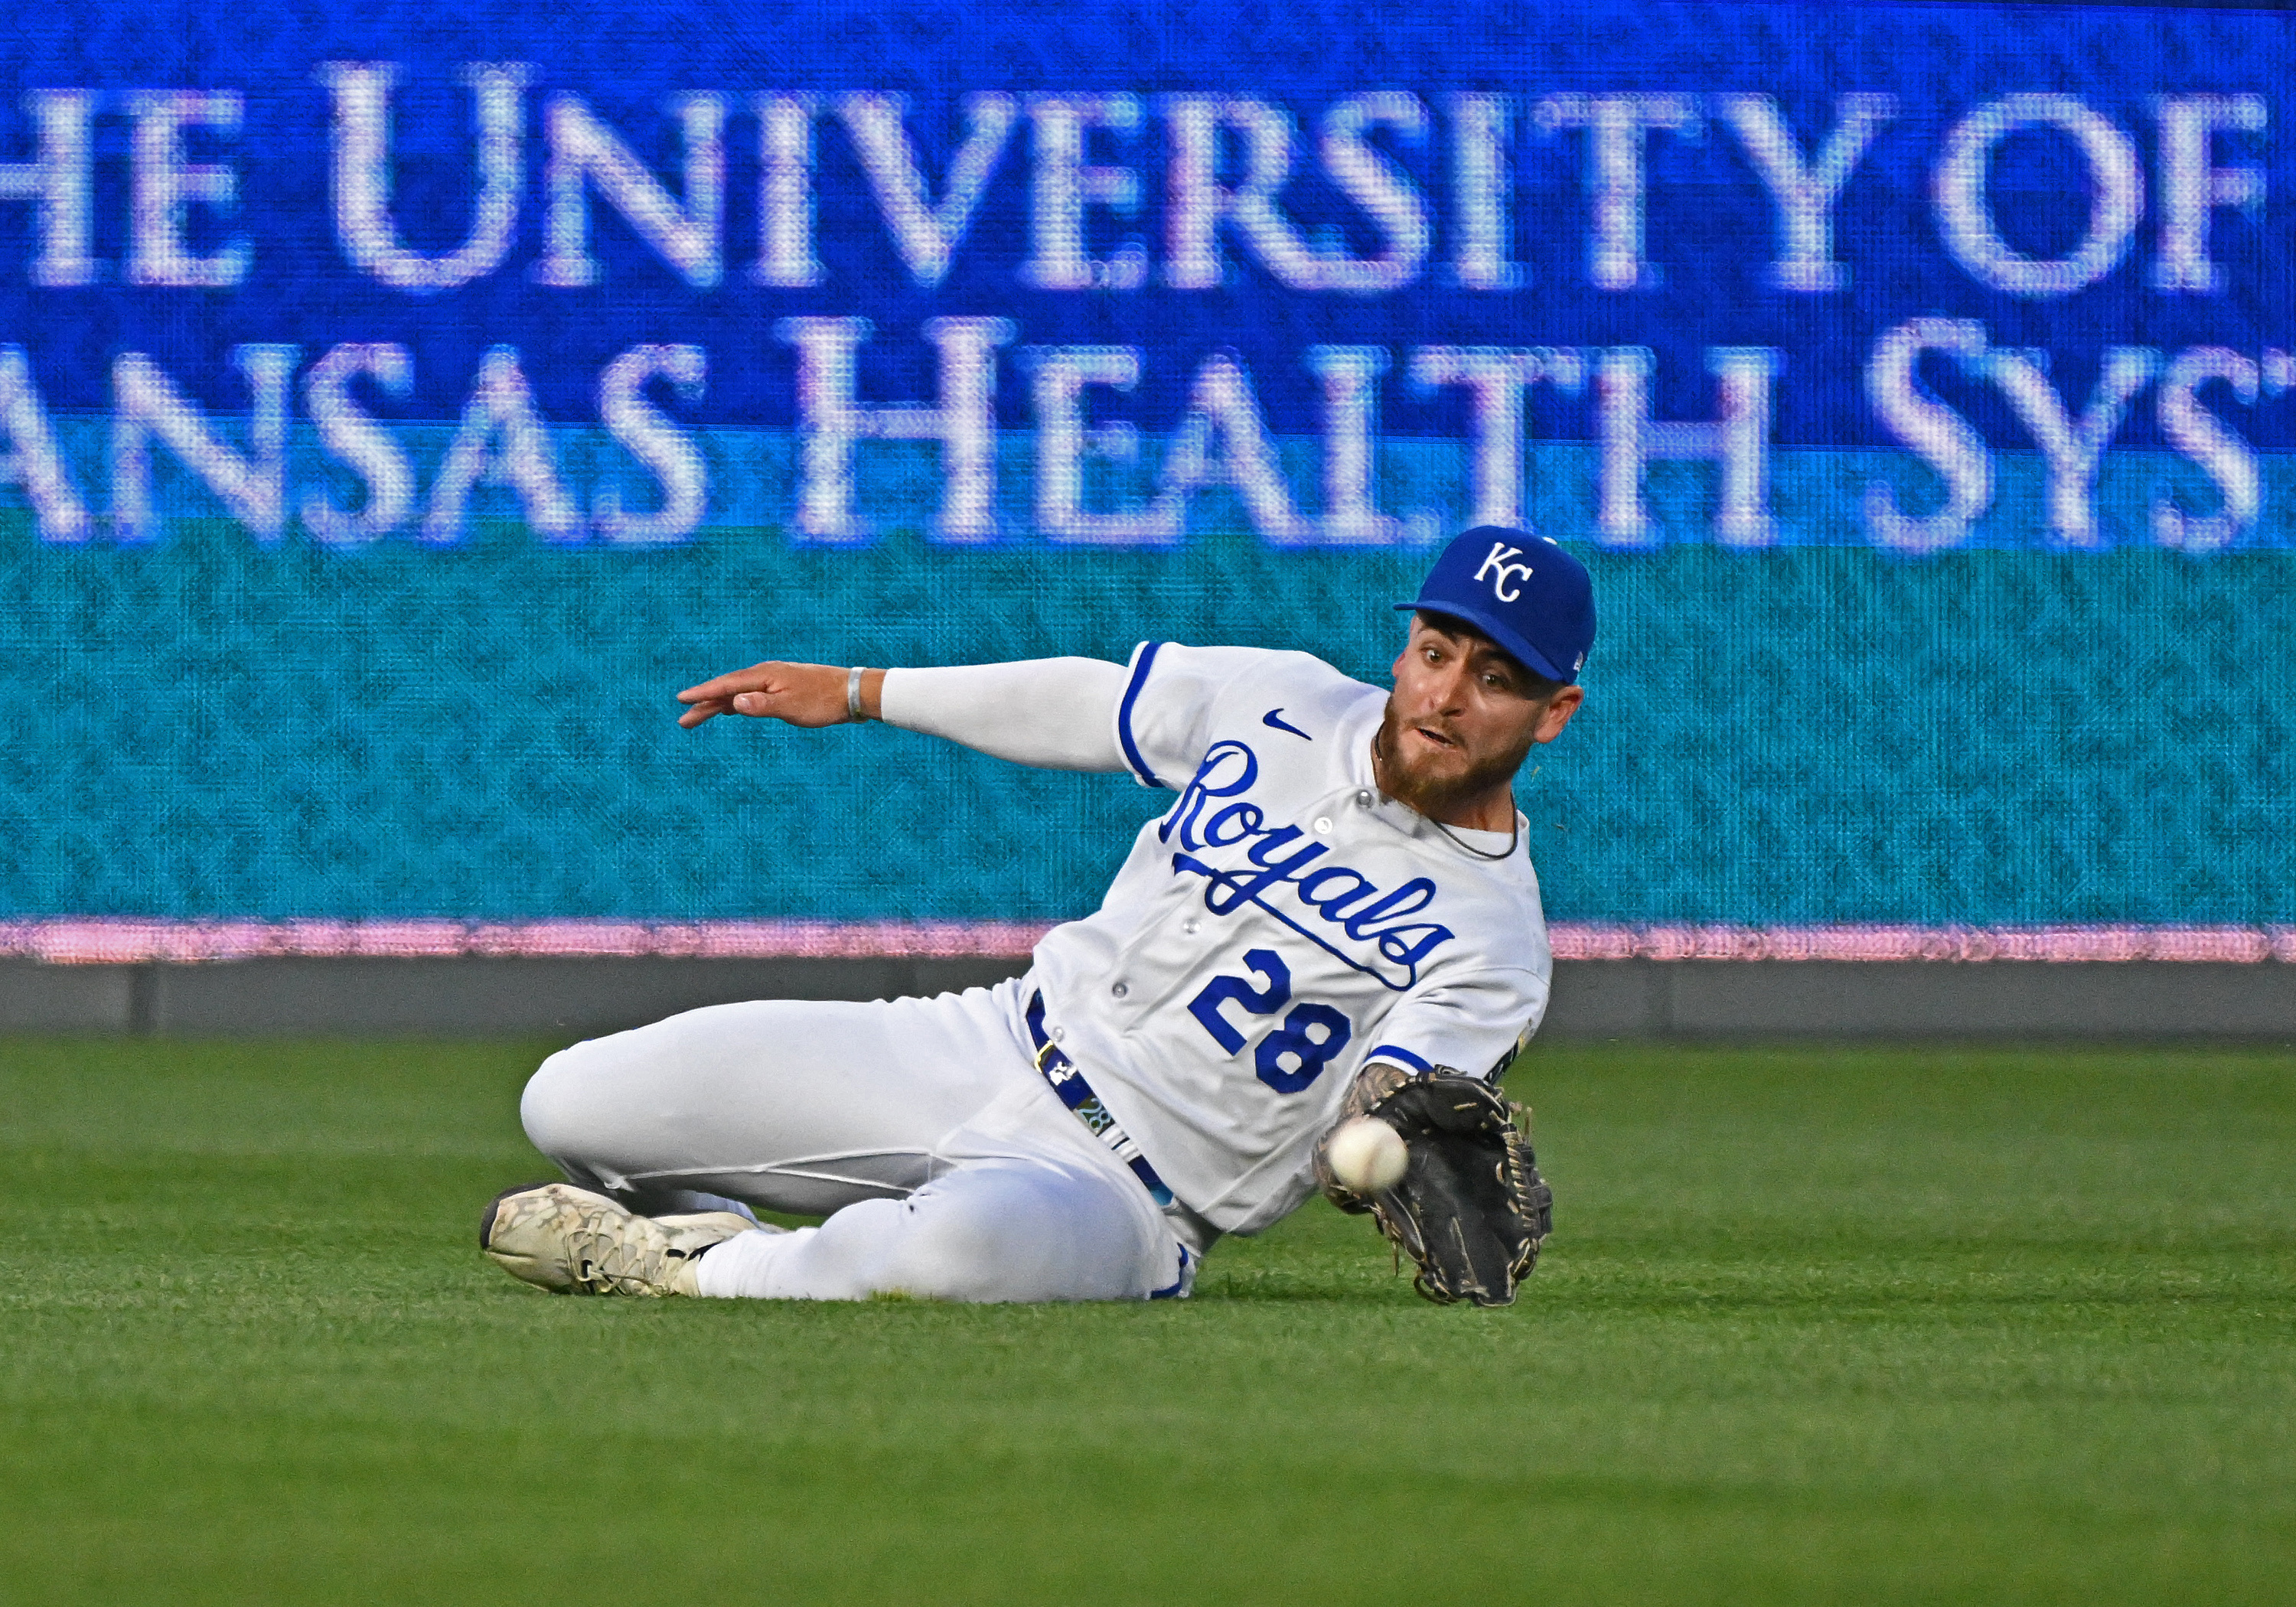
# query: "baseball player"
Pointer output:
{"type": "Point", "coordinates": [1335, 915]}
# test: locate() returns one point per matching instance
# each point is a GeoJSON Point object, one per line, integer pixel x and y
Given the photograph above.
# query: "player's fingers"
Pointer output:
{"type": "Point", "coordinates": [773, 704]}
{"type": "Point", "coordinates": [803, 695]}
{"type": "Point", "coordinates": [758, 677]}
{"type": "Point", "coordinates": [719, 690]}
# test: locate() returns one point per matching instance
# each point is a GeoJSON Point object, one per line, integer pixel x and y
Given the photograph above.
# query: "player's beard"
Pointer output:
{"type": "Point", "coordinates": [1426, 784]}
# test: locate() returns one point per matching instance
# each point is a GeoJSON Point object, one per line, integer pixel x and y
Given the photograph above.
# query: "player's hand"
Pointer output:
{"type": "Point", "coordinates": [802, 694]}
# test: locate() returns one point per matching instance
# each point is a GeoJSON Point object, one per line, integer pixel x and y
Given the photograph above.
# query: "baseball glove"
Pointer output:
{"type": "Point", "coordinates": [1471, 1210]}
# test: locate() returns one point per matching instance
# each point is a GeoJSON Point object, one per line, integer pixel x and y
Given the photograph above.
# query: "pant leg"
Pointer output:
{"type": "Point", "coordinates": [996, 1230]}
{"type": "Point", "coordinates": [950, 1170]}
{"type": "Point", "coordinates": [784, 1104]}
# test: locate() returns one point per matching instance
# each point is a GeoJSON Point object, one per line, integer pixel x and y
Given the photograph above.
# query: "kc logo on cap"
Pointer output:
{"type": "Point", "coordinates": [1498, 566]}
{"type": "Point", "coordinates": [1542, 614]}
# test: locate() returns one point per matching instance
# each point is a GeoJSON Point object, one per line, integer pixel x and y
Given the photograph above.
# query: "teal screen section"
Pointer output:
{"type": "Point", "coordinates": [208, 728]}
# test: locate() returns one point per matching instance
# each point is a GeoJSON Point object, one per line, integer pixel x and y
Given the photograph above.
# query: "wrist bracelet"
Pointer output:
{"type": "Point", "coordinates": [853, 693]}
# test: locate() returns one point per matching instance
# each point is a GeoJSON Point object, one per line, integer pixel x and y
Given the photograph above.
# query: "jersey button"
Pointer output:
{"type": "Point", "coordinates": [1363, 797]}
{"type": "Point", "coordinates": [1058, 1034]}
{"type": "Point", "coordinates": [1119, 989]}
{"type": "Point", "coordinates": [1323, 825]}
{"type": "Point", "coordinates": [1190, 926]}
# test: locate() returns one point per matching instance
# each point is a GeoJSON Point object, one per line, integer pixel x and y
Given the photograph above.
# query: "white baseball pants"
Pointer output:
{"type": "Point", "coordinates": [947, 1168]}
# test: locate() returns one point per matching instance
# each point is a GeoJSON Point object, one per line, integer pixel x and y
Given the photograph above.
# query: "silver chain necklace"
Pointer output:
{"type": "Point", "coordinates": [1513, 835]}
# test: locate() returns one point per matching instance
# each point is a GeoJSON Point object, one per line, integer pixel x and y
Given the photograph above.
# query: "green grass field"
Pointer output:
{"type": "Point", "coordinates": [1816, 1325]}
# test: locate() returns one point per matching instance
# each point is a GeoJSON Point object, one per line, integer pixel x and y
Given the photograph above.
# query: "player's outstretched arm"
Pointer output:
{"type": "Point", "coordinates": [802, 694]}
{"type": "Point", "coordinates": [1054, 714]}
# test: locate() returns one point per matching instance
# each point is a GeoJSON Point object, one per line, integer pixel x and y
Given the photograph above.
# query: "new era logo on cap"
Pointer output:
{"type": "Point", "coordinates": [1525, 592]}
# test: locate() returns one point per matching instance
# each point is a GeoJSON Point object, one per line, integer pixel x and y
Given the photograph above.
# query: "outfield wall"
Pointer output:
{"type": "Point", "coordinates": [397, 403]}
{"type": "Point", "coordinates": [561, 999]}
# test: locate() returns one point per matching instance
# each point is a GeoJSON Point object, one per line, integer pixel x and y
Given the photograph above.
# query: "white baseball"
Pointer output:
{"type": "Point", "coordinates": [1366, 1155]}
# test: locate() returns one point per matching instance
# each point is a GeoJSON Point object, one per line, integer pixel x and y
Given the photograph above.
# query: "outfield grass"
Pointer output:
{"type": "Point", "coordinates": [1843, 1325]}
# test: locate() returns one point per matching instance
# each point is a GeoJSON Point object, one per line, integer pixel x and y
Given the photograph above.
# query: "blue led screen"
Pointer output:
{"type": "Point", "coordinates": [396, 404]}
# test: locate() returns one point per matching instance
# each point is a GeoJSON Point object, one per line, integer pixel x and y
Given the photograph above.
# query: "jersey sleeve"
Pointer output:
{"type": "Point", "coordinates": [1473, 1025]}
{"type": "Point", "coordinates": [1051, 713]}
{"type": "Point", "coordinates": [1165, 717]}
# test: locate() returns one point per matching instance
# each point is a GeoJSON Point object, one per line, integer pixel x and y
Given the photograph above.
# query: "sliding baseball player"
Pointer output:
{"type": "Point", "coordinates": [1335, 918]}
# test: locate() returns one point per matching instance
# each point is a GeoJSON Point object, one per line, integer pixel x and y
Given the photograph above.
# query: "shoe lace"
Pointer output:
{"type": "Point", "coordinates": [605, 1262]}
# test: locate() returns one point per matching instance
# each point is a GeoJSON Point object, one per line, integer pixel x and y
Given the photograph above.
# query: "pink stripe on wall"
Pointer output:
{"type": "Point", "coordinates": [2237, 945]}
{"type": "Point", "coordinates": [128, 941]}
{"type": "Point", "coordinates": [98, 941]}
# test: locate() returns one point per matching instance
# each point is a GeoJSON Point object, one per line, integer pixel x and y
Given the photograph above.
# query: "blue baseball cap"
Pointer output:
{"type": "Point", "coordinates": [1523, 592]}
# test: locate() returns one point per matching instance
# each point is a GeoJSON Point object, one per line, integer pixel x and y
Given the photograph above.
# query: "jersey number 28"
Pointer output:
{"type": "Point", "coordinates": [1296, 1041]}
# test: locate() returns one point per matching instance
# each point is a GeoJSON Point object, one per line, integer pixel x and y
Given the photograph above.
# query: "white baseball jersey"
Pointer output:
{"type": "Point", "coordinates": [1279, 928]}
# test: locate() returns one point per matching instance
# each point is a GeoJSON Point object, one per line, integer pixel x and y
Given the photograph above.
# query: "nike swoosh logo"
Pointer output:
{"type": "Point", "coordinates": [1272, 719]}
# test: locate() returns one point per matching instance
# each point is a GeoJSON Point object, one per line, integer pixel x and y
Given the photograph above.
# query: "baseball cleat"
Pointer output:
{"type": "Point", "coordinates": [569, 1241]}
{"type": "Point", "coordinates": [696, 1231]}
